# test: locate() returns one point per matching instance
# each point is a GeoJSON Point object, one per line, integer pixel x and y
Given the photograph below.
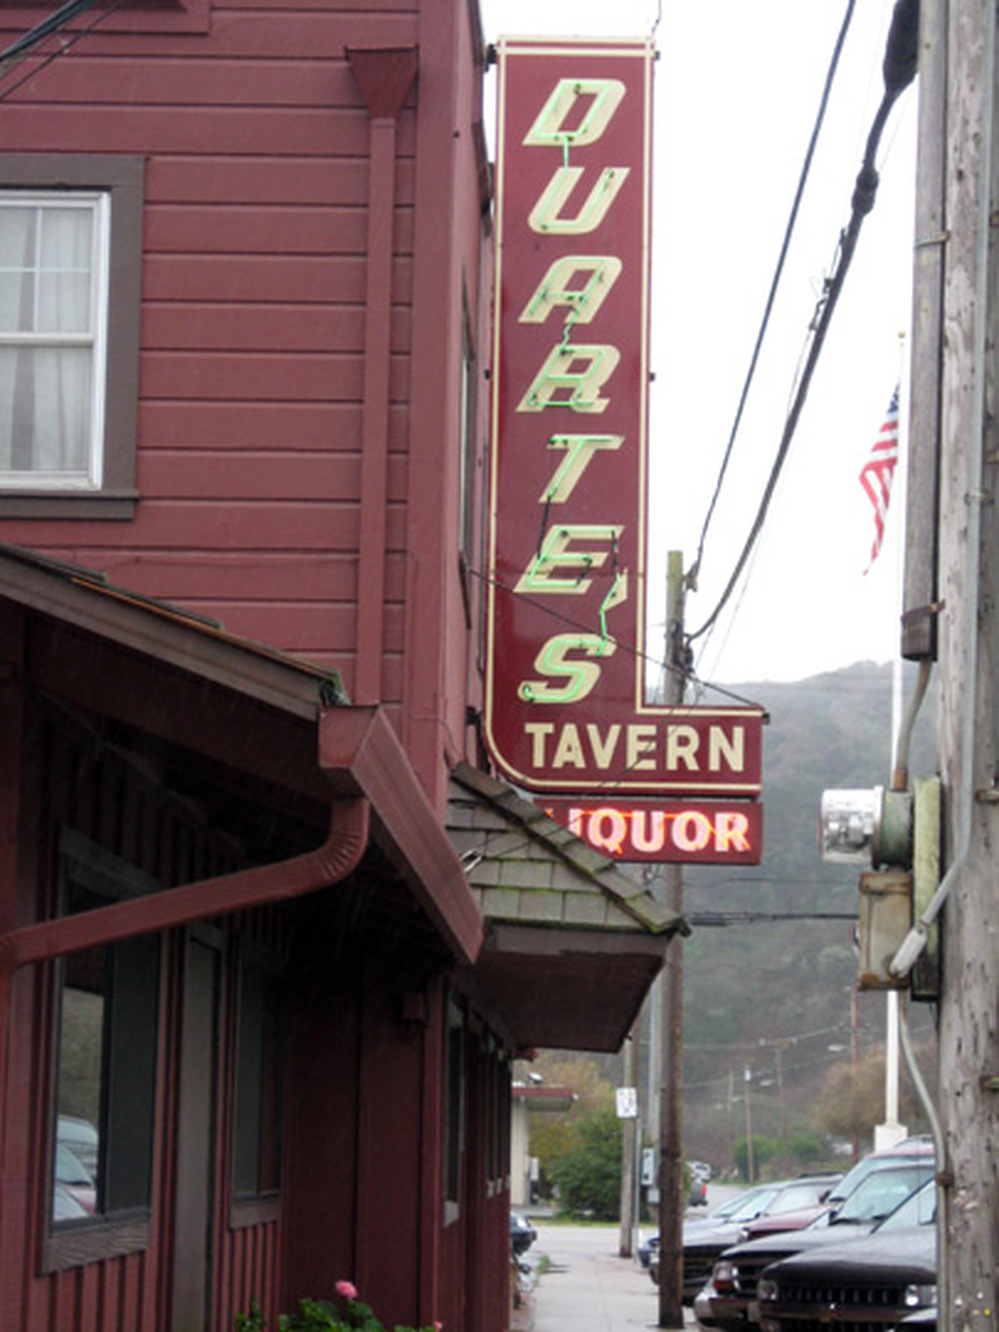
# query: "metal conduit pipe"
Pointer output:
{"type": "Point", "coordinates": [926, 1101]}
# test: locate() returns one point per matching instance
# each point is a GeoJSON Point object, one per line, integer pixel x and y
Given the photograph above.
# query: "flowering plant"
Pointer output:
{"type": "Point", "coordinates": [346, 1314]}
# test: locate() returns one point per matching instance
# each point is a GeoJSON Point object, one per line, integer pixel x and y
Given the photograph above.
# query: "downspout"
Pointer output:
{"type": "Point", "coordinates": [384, 78]}
{"type": "Point", "coordinates": [329, 864]}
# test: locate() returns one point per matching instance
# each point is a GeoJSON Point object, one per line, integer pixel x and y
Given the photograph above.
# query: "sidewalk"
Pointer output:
{"type": "Point", "coordinates": [584, 1284]}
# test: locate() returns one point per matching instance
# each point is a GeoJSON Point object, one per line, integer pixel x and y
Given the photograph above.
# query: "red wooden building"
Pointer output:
{"type": "Point", "coordinates": [270, 934]}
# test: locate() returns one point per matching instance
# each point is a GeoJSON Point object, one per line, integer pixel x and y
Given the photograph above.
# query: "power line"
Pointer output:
{"type": "Point", "coordinates": [55, 23]}
{"type": "Point", "coordinates": [775, 282]}
{"type": "Point", "coordinates": [723, 918]}
{"type": "Point", "coordinates": [898, 68]}
{"type": "Point", "coordinates": [661, 664]}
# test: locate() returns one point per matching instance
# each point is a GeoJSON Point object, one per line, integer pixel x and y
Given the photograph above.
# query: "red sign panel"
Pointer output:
{"type": "Point", "coordinates": [565, 698]}
{"type": "Point", "coordinates": [670, 831]}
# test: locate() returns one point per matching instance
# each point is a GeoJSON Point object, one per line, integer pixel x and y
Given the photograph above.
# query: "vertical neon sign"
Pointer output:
{"type": "Point", "coordinates": [565, 705]}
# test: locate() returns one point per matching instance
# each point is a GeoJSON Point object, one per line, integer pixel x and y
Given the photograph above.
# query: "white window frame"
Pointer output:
{"type": "Point", "coordinates": [98, 204]}
{"type": "Point", "coordinates": [118, 182]}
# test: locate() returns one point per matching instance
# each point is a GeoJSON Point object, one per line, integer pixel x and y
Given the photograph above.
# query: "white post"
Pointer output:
{"type": "Point", "coordinates": [888, 1133]}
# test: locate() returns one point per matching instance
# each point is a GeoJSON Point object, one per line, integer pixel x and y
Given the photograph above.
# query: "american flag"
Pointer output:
{"type": "Point", "coordinates": [878, 473]}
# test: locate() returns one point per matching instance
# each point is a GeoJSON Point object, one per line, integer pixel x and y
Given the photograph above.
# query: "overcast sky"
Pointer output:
{"type": "Point", "coordinates": [737, 92]}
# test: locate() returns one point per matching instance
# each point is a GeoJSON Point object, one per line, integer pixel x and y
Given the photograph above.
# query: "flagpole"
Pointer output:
{"type": "Point", "coordinates": [891, 1131]}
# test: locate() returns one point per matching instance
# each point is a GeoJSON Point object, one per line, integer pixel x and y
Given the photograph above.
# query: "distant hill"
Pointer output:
{"type": "Point", "coordinates": [772, 991]}
{"type": "Point", "coordinates": [752, 984]}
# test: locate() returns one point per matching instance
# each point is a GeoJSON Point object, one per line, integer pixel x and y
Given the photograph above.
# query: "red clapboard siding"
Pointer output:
{"type": "Point", "coordinates": [259, 476]}
{"type": "Point", "coordinates": [188, 326]}
{"type": "Point", "coordinates": [195, 129]}
{"type": "Point", "coordinates": [169, 524]}
{"type": "Point", "coordinates": [258, 377]}
{"type": "Point", "coordinates": [260, 179]}
{"type": "Point", "coordinates": [314, 627]}
{"type": "Point", "coordinates": [297, 328]}
{"type": "Point", "coordinates": [202, 78]}
{"type": "Point", "coordinates": [279, 228]}
{"type": "Point", "coordinates": [298, 628]}
{"type": "Point", "coordinates": [266, 278]}
{"type": "Point", "coordinates": [184, 576]}
{"type": "Point", "coordinates": [238, 425]}
{"type": "Point", "coordinates": [247, 35]}
{"type": "Point", "coordinates": [262, 476]}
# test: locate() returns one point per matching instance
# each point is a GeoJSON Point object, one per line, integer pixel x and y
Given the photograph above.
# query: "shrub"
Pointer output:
{"type": "Point", "coordinates": [347, 1314]}
{"type": "Point", "coordinates": [588, 1177]}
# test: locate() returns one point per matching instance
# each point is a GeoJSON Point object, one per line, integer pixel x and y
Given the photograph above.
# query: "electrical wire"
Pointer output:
{"type": "Point", "coordinates": [898, 68]}
{"type": "Point", "coordinates": [56, 22]}
{"type": "Point", "coordinates": [661, 664]}
{"type": "Point", "coordinates": [774, 284]}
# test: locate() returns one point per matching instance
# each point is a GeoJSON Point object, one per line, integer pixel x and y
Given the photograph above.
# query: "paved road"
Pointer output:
{"type": "Point", "coordinates": [586, 1285]}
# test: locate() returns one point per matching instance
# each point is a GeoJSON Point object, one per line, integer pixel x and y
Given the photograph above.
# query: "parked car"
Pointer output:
{"type": "Point", "coordinates": [726, 1299]}
{"type": "Point", "coordinates": [700, 1178]}
{"type": "Point", "coordinates": [698, 1195]}
{"type": "Point", "coordinates": [703, 1245]}
{"type": "Point", "coordinates": [918, 1149]}
{"type": "Point", "coordinates": [73, 1177]}
{"type": "Point", "coordinates": [82, 1139]}
{"type": "Point", "coordinates": [739, 1202]}
{"type": "Point", "coordinates": [522, 1234]}
{"type": "Point", "coordinates": [65, 1207]}
{"type": "Point", "coordinates": [887, 1183]}
{"type": "Point", "coordinates": [874, 1281]}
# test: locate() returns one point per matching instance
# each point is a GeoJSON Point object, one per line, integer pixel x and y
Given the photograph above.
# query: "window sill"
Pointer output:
{"type": "Point", "coordinates": [99, 505]}
{"type": "Point", "coordinates": [254, 1212]}
{"type": "Point", "coordinates": [75, 1244]}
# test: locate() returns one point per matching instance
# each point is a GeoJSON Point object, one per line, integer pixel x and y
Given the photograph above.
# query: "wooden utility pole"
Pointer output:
{"type": "Point", "coordinates": [671, 1014]}
{"type": "Point", "coordinates": [968, 664]}
{"type": "Point", "coordinates": [953, 449]}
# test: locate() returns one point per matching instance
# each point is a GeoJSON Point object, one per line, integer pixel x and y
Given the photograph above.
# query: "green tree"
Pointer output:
{"type": "Point", "coordinates": [588, 1176]}
{"type": "Point", "coordinates": [764, 1150]}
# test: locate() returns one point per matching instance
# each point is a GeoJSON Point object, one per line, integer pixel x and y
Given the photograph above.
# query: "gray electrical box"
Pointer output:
{"type": "Point", "coordinates": [885, 920]}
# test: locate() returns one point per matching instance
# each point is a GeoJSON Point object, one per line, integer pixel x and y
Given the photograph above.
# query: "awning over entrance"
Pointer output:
{"type": "Point", "coordinates": [242, 714]}
{"type": "Point", "coordinates": [573, 941]}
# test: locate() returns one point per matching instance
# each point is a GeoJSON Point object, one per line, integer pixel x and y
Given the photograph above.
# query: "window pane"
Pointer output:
{"type": "Point", "coordinates": [18, 248]}
{"type": "Point", "coordinates": [53, 274]}
{"type": "Point", "coordinates": [64, 270]}
{"type": "Point", "coordinates": [80, 1060]}
{"type": "Point", "coordinates": [46, 426]}
{"type": "Point", "coordinates": [106, 1053]}
{"type": "Point", "coordinates": [258, 1084]}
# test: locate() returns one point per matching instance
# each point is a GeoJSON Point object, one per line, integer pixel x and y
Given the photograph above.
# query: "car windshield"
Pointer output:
{"type": "Point", "coordinates": [752, 1204]}
{"type": "Point", "coordinates": [800, 1195]}
{"type": "Point", "coordinates": [881, 1192]}
{"type": "Point", "coordinates": [919, 1209]}
{"type": "Point", "coordinates": [854, 1177]}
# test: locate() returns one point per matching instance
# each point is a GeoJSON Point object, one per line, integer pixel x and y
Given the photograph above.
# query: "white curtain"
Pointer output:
{"type": "Point", "coordinates": [46, 340]}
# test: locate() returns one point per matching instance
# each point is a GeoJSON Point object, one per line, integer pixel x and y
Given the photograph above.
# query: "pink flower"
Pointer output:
{"type": "Point", "coordinates": [347, 1289]}
{"type": "Point", "coordinates": [438, 1327]}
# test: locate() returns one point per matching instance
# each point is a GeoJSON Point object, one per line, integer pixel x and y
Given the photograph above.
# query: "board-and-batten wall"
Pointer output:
{"type": "Point", "coordinates": [90, 787]}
